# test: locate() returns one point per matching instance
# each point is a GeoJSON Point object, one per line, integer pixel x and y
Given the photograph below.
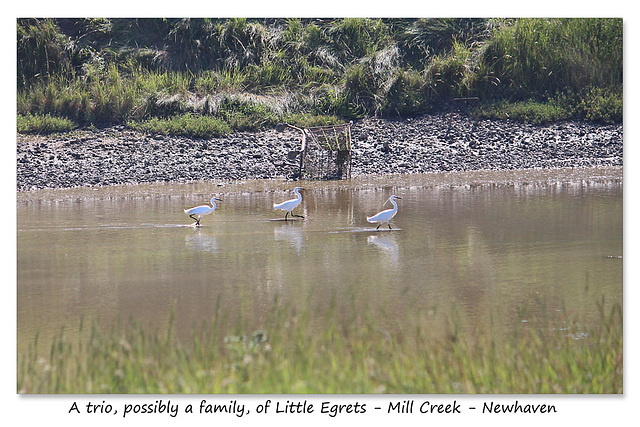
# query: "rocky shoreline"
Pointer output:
{"type": "Point", "coordinates": [431, 143]}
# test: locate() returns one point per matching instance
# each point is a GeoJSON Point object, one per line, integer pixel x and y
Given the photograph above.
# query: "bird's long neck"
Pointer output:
{"type": "Point", "coordinates": [297, 192]}
{"type": "Point", "coordinates": [395, 205]}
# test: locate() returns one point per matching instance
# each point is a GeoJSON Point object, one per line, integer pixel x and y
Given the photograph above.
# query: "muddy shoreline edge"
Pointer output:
{"type": "Point", "coordinates": [430, 143]}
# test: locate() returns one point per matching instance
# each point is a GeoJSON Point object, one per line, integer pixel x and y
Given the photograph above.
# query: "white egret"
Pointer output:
{"type": "Point", "coordinates": [386, 215]}
{"type": "Point", "coordinates": [201, 211]}
{"type": "Point", "coordinates": [290, 205]}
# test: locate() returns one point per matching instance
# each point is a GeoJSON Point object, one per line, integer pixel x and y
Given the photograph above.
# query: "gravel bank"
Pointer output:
{"type": "Point", "coordinates": [454, 142]}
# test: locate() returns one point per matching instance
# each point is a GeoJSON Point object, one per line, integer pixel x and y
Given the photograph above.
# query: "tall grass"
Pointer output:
{"type": "Point", "coordinates": [45, 124]}
{"type": "Point", "coordinates": [41, 51]}
{"type": "Point", "coordinates": [546, 56]}
{"type": "Point", "coordinates": [117, 70]}
{"type": "Point", "coordinates": [367, 353]}
{"type": "Point", "coordinates": [593, 104]}
{"type": "Point", "coordinates": [101, 96]}
{"type": "Point", "coordinates": [185, 124]}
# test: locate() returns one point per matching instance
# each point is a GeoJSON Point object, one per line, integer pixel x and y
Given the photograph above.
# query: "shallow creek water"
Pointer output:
{"type": "Point", "coordinates": [476, 241]}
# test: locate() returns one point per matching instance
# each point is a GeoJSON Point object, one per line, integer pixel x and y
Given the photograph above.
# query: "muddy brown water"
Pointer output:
{"type": "Point", "coordinates": [476, 241]}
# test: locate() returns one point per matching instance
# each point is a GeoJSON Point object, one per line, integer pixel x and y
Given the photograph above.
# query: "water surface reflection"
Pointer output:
{"type": "Point", "coordinates": [516, 242]}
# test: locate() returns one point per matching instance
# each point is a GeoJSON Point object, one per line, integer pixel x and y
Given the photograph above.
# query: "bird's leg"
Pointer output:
{"type": "Point", "coordinates": [378, 226]}
{"type": "Point", "coordinates": [285, 215]}
{"type": "Point", "coordinates": [195, 219]}
{"type": "Point", "coordinates": [389, 226]}
{"type": "Point", "coordinates": [299, 216]}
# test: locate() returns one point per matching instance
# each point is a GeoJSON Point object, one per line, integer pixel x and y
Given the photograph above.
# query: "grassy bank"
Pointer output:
{"type": "Point", "coordinates": [251, 74]}
{"type": "Point", "coordinates": [367, 354]}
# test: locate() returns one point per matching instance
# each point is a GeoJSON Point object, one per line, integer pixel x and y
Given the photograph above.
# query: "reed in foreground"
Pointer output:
{"type": "Point", "coordinates": [363, 355]}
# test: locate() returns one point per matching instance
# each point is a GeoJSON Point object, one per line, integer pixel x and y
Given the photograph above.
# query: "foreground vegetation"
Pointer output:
{"type": "Point", "coordinates": [238, 74]}
{"type": "Point", "coordinates": [366, 354]}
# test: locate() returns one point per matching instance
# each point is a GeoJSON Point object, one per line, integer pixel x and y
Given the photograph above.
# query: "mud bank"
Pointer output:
{"type": "Point", "coordinates": [118, 155]}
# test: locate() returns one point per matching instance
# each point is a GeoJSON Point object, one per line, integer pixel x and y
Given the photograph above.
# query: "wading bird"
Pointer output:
{"type": "Point", "coordinates": [290, 205]}
{"type": "Point", "coordinates": [386, 215]}
{"type": "Point", "coordinates": [201, 211]}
